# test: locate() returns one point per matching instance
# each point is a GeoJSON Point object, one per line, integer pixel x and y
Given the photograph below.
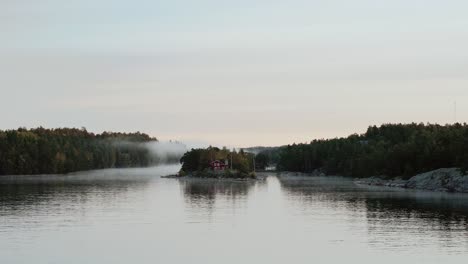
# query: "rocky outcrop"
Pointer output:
{"type": "Point", "coordinates": [446, 180]}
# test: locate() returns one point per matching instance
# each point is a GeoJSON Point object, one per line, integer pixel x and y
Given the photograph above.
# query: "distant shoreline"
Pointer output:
{"type": "Point", "coordinates": [440, 180]}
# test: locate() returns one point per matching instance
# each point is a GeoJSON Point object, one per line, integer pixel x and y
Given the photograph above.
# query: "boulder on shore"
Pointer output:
{"type": "Point", "coordinates": [447, 179]}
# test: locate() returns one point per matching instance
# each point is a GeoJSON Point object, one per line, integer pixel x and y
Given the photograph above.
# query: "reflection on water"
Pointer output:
{"type": "Point", "coordinates": [133, 215]}
{"type": "Point", "coordinates": [198, 191]}
{"type": "Point", "coordinates": [66, 200]}
{"type": "Point", "coordinates": [399, 220]}
{"type": "Point", "coordinates": [204, 196]}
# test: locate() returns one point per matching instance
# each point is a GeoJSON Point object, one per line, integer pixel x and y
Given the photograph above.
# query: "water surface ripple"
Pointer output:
{"type": "Point", "coordinates": [134, 216]}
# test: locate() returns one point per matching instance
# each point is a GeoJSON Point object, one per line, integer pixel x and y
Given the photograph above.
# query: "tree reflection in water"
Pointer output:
{"type": "Point", "coordinates": [204, 196]}
{"type": "Point", "coordinates": [394, 219]}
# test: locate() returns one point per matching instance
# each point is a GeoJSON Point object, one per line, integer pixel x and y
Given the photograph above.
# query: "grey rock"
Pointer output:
{"type": "Point", "coordinates": [447, 179]}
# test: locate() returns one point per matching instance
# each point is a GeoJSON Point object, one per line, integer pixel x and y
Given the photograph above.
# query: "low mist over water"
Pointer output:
{"type": "Point", "coordinates": [123, 215]}
{"type": "Point", "coordinates": [160, 152]}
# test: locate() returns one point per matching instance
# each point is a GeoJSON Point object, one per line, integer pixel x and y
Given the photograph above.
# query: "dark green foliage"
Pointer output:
{"type": "Point", "coordinates": [45, 151]}
{"type": "Point", "coordinates": [198, 160]}
{"type": "Point", "coordinates": [391, 150]}
{"type": "Point", "coordinates": [262, 160]}
{"type": "Point", "coordinates": [267, 155]}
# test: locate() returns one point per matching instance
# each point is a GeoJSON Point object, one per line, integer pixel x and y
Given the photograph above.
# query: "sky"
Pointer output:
{"type": "Point", "coordinates": [232, 73]}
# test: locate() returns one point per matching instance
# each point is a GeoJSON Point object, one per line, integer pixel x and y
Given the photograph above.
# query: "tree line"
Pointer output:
{"type": "Point", "coordinates": [393, 150]}
{"type": "Point", "coordinates": [63, 150]}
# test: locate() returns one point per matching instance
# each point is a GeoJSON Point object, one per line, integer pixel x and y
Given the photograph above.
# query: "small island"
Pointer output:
{"type": "Point", "coordinates": [214, 162]}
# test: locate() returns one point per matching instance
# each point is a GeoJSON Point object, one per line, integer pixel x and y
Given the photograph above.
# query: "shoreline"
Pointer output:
{"type": "Point", "coordinates": [193, 177]}
{"type": "Point", "coordinates": [450, 180]}
{"type": "Point", "coordinates": [257, 176]}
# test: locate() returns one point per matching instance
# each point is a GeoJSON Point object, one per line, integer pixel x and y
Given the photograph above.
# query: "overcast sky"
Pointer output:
{"type": "Point", "coordinates": [235, 73]}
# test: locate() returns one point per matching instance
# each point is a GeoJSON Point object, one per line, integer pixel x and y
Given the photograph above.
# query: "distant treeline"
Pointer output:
{"type": "Point", "coordinates": [63, 150]}
{"type": "Point", "coordinates": [391, 150]}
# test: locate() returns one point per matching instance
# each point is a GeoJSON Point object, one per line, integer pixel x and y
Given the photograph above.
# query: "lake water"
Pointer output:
{"type": "Point", "coordinates": [134, 216]}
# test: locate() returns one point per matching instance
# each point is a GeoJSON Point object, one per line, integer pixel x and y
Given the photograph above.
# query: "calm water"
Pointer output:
{"type": "Point", "coordinates": [134, 216]}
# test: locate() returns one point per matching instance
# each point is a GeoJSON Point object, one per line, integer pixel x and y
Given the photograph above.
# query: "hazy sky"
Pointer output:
{"type": "Point", "coordinates": [236, 73]}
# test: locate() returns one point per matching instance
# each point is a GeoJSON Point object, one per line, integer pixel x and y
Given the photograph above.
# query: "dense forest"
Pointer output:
{"type": "Point", "coordinates": [389, 150]}
{"type": "Point", "coordinates": [63, 150]}
{"type": "Point", "coordinates": [265, 156]}
{"type": "Point", "coordinates": [197, 161]}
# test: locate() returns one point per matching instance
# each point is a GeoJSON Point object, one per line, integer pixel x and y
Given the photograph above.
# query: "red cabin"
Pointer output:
{"type": "Point", "coordinates": [218, 165]}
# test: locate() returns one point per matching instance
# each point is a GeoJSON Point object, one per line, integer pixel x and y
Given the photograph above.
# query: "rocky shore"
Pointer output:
{"type": "Point", "coordinates": [207, 174]}
{"type": "Point", "coordinates": [443, 180]}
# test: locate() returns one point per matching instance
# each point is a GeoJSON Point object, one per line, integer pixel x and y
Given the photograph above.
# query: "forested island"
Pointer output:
{"type": "Point", "coordinates": [214, 162]}
{"type": "Point", "coordinates": [63, 150]}
{"type": "Point", "coordinates": [391, 150]}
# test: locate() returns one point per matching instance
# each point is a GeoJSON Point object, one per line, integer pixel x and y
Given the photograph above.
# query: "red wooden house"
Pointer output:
{"type": "Point", "coordinates": [219, 165]}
